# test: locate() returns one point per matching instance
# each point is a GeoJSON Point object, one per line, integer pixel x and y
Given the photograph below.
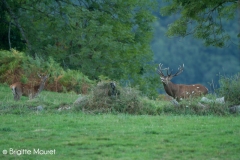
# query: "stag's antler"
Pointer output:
{"type": "Point", "coordinates": [180, 70]}
{"type": "Point", "coordinates": [169, 74]}
{"type": "Point", "coordinates": [160, 69]}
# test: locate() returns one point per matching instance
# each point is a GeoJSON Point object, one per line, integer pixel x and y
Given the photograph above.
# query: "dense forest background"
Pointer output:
{"type": "Point", "coordinates": [126, 40]}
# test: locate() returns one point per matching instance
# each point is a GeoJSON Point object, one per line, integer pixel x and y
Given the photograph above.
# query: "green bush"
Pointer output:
{"type": "Point", "coordinates": [131, 101]}
{"type": "Point", "coordinates": [16, 66]}
{"type": "Point", "coordinates": [76, 81]}
{"type": "Point", "coordinates": [126, 100]}
{"type": "Point", "coordinates": [230, 88]}
{"type": "Point", "coordinates": [194, 106]}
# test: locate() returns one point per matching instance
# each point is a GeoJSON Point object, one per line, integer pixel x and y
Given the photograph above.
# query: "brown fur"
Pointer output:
{"type": "Point", "coordinates": [19, 89]}
{"type": "Point", "coordinates": [181, 91]}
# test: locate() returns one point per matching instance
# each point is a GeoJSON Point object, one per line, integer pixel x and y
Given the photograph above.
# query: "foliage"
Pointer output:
{"type": "Point", "coordinates": [204, 19]}
{"type": "Point", "coordinates": [16, 66]}
{"type": "Point", "coordinates": [131, 101]}
{"type": "Point", "coordinates": [10, 35]}
{"type": "Point", "coordinates": [76, 81]}
{"type": "Point", "coordinates": [10, 62]}
{"type": "Point", "coordinates": [230, 88]}
{"type": "Point", "coordinates": [126, 100]}
{"type": "Point", "coordinates": [98, 101]}
{"type": "Point", "coordinates": [110, 38]}
{"type": "Point", "coordinates": [196, 107]}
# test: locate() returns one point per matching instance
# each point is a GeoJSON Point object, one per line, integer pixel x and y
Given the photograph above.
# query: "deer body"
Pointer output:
{"type": "Point", "coordinates": [180, 91]}
{"type": "Point", "coordinates": [19, 89]}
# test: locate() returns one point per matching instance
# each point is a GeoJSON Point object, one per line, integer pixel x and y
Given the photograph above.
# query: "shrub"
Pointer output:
{"type": "Point", "coordinates": [10, 62]}
{"type": "Point", "coordinates": [194, 106]}
{"type": "Point", "coordinates": [230, 88]}
{"type": "Point", "coordinates": [16, 66]}
{"type": "Point", "coordinates": [125, 100]}
{"type": "Point", "coordinates": [73, 80]}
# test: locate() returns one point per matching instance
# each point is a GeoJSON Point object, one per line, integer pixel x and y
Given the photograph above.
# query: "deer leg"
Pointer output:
{"type": "Point", "coordinates": [16, 96]}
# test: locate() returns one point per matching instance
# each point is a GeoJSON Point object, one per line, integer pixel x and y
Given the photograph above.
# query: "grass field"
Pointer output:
{"type": "Point", "coordinates": [81, 136]}
{"type": "Point", "coordinates": [50, 134]}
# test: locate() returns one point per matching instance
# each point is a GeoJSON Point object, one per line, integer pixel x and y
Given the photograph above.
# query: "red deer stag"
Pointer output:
{"type": "Point", "coordinates": [180, 91]}
{"type": "Point", "coordinates": [32, 91]}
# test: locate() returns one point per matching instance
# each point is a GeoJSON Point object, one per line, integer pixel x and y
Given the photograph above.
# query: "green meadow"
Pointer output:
{"type": "Point", "coordinates": [27, 133]}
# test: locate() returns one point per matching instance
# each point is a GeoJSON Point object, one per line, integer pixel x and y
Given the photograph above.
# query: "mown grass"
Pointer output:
{"type": "Point", "coordinates": [77, 135]}
{"type": "Point", "coordinates": [83, 136]}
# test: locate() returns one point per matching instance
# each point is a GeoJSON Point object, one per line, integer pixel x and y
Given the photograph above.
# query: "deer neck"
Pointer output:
{"type": "Point", "coordinates": [170, 88]}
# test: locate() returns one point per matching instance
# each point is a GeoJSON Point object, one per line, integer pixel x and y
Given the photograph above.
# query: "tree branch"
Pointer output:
{"type": "Point", "coordinates": [13, 16]}
{"type": "Point", "coordinates": [9, 34]}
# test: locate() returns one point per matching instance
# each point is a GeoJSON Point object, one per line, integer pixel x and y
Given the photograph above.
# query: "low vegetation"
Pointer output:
{"type": "Point", "coordinates": [196, 107]}
{"type": "Point", "coordinates": [17, 67]}
{"type": "Point", "coordinates": [99, 100]}
{"type": "Point", "coordinates": [103, 99]}
{"type": "Point", "coordinates": [230, 88]}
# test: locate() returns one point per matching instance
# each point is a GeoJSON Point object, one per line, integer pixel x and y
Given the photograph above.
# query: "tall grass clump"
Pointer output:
{"type": "Point", "coordinates": [196, 106]}
{"type": "Point", "coordinates": [230, 88]}
{"type": "Point", "coordinates": [124, 100]}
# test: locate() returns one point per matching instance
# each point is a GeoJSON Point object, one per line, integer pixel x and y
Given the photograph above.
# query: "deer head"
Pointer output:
{"type": "Point", "coordinates": [166, 79]}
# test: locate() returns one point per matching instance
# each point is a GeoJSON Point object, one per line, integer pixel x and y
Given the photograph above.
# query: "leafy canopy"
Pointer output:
{"type": "Point", "coordinates": [206, 20]}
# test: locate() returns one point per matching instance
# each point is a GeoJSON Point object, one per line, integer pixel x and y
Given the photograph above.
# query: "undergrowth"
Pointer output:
{"type": "Point", "coordinates": [230, 88]}
{"type": "Point", "coordinates": [131, 101]}
{"type": "Point", "coordinates": [102, 99]}
{"type": "Point", "coordinates": [126, 100]}
{"type": "Point", "coordinates": [17, 67]}
{"type": "Point", "coordinates": [195, 106]}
